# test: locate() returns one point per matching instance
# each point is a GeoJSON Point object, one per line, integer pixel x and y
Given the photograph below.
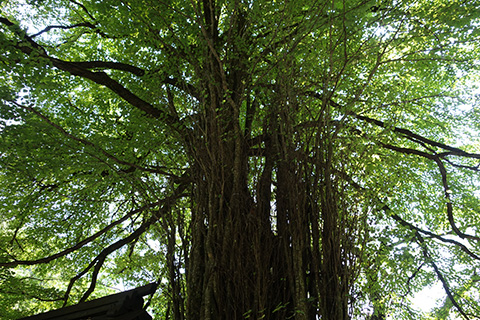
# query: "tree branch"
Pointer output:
{"type": "Point", "coordinates": [418, 138]}
{"type": "Point", "coordinates": [109, 65]}
{"type": "Point", "coordinates": [447, 192]}
{"type": "Point", "coordinates": [431, 234]}
{"type": "Point", "coordinates": [426, 254]}
{"type": "Point", "coordinates": [155, 169]}
{"type": "Point", "coordinates": [82, 24]}
{"type": "Point", "coordinates": [83, 8]}
{"type": "Point", "coordinates": [78, 69]}
{"type": "Point", "coordinates": [98, 262]}
{"type": "Point", "coordinates": [440, 276]}
{"type": "Point", "coordinates": [81, 243]}
{"type": "Point", "coordinates": [100, 259]}
{"type": "Point", "coordinates": [446, 188]}
{"type": "Point", "coordinates": [103, 79]}
{"type": "Point", "coordinates": [435, 157]}
{"type": "Point", "coordinates": [405, 132]}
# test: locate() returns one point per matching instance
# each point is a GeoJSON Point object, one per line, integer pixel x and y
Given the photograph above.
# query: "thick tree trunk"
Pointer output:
{"type": "Point", "coordinates": [246, 262]}
{"type": "Point", "coordinates": [249, 258]}
{"type": "Point", "coordinates": [334, 293]}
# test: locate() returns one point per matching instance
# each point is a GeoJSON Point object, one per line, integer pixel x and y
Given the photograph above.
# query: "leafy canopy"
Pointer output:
{"type": "Point", "coordinates": [129, 128]}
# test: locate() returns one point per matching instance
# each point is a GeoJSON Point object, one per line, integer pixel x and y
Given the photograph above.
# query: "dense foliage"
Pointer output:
{"type": "Point", "coordinates": [258, 159]}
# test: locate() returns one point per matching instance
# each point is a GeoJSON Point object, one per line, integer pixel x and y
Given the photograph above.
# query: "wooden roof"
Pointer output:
{"type": "Point", "coordinates": [127, 305]}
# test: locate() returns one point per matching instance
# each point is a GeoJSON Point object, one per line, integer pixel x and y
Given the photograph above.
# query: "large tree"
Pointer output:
{"type": "Point", "coordinates": [258, 159]}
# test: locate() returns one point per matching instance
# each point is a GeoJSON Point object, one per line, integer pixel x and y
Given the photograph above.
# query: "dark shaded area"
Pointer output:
{"type": "Point", "coordinates": [126, 305]}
